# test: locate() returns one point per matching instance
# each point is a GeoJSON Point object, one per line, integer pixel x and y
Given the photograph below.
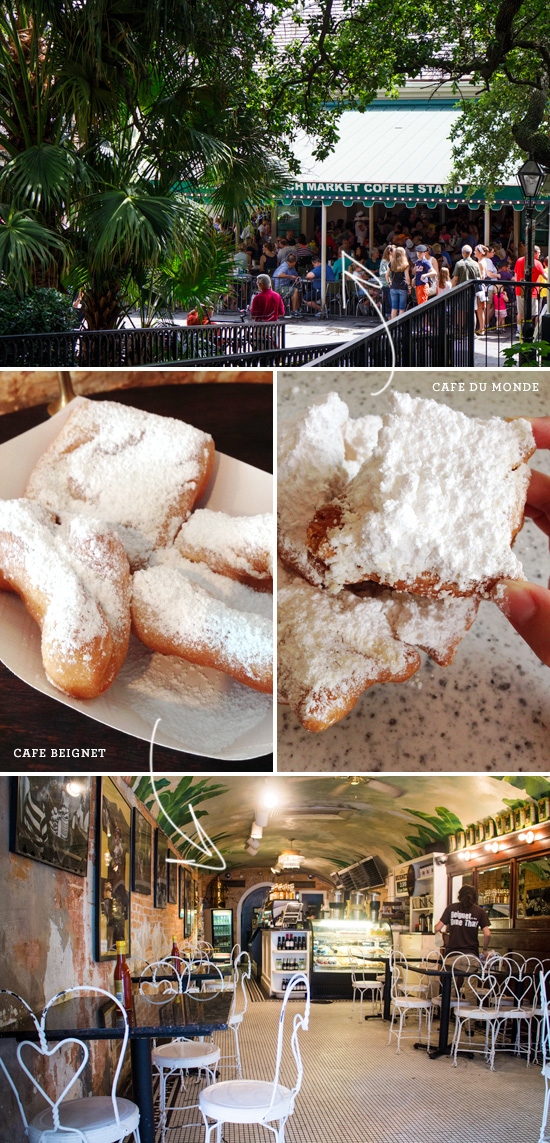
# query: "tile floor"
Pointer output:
{"type": "Point", "coordinates": [357, 1090]}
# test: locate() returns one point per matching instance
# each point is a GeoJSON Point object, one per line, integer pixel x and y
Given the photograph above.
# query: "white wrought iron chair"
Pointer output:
{"type": "Point", "coordinates": [230, 962]}
{"type": "Point", "coordinates": [477, 1001]}
{"type": "Point", "coordinates": [238, 1009]}
{"type": "Point", "coordinates": [465, 963]}
{"type": "Point", "coordinates": [259, 1101]}
{"type": "Point", "coordinates": [545, 1042]}
{"type": "Point", "coordinates": [405, 1003]}
{"type": "Point", "coordinates": [536, 1005]}
{"type": "Point", "coordinates": [362, 982]}
{"type": "Point", "coordinates": [513, 1006]}
{"type": "Point", "coordinates": [105, 1119]}
{"type": "Point", "coordinates": [181, 1055]}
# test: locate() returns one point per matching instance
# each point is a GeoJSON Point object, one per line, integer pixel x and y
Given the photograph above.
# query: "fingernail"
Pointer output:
{"type": "Point", "coordinates": [516, 601]}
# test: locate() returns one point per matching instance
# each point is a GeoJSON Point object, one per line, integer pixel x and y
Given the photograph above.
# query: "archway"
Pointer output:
{"type": "Point", "coordinates": [247, 904]}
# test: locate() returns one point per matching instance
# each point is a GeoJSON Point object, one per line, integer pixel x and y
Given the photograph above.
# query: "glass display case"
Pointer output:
{"type": "Point", "coordinates": [341, 946]}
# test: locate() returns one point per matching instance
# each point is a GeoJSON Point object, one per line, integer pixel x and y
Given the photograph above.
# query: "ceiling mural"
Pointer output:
{"type": "Point", "coordinates": [334, 821]}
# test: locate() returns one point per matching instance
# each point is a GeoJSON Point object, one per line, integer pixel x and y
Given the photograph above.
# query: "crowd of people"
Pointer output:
{"type": "Point", "coordinates": [410, 259]}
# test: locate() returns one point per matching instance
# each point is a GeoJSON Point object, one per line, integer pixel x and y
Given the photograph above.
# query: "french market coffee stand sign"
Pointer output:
{"type": "Point", "coordinates": [315, 193]}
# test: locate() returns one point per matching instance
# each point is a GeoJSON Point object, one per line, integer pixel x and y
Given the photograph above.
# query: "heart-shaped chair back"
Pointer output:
{"type": "Point", "coordinates": [205, 979]}
{"type": "Point", "coordinates": [473, 989]}
{"type": "Point", "coordinates": [514, 992]}
{"type": "Point", "coordinates": [41, 1047]}
{"type": "Point", "coordinates": [45, 1052]}
{"type": "Point", "coordinates": [163, 979]}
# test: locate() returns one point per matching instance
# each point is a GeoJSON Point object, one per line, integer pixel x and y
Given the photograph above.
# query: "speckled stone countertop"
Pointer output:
{"type": "Point", "coordinates": [490, 710]}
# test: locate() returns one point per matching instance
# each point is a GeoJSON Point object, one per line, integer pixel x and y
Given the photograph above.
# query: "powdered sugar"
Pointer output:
{"type": "Point", "coordinates": [318, 452]}
{"type": "Point", "coordinates": [132, 469]}
{"type": "Point", "coordinates": [184, 612]}
{"type": "Point", "coordinates": [34, 553]}
{"type": "Point", "coordinates": [236, 595]}
{"type": "Point", "coordinates": [74, 581]}
{"type": "Point", "coordinates": [197, 706]}
{"type": "Point", "coordinates": [435, 625]}
{"type": "Point", "coordinates": [244, 543]}
{"type": "Point", "coordinates": [330, 645]}
{"type": "Point", "coordinates": [442, 494]}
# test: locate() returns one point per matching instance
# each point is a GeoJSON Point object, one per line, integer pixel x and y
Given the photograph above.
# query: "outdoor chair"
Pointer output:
{"type": "Point", "coordinates": [259, 1101]}
{"type": "Point", "coordinates": [334, 298]}
{"type": "Point", "coordinates": [105, 1119]}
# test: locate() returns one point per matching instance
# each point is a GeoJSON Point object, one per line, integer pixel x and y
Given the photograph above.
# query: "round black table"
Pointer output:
{"type": "Point", "coordinates": [239, 416]}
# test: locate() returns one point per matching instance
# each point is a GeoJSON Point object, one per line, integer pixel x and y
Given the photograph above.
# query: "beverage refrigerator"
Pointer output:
{"type": "Point", "coordinates": [218, 929]}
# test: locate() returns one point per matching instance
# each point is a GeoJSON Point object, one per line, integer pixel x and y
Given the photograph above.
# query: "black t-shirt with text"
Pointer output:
{"type": "Point", "coordinates": [464, 923]}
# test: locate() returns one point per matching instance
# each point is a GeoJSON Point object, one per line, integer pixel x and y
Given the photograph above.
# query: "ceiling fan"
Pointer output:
{"type": "Point", "coordinates": [354, 780]}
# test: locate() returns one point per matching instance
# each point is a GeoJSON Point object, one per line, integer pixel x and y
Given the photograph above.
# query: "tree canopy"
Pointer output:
{"type": "Point", "coordinates": [113, 113]}
{"type": "Point", "coordinates": [357, 48]}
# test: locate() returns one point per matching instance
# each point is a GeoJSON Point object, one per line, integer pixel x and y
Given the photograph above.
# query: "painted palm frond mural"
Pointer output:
{"type": "Point", "coordinates": [429, 829]}
{"type": "Point", "coordinates": [534, 785]}
{"type": "Point", "coordinates": [176, 801]}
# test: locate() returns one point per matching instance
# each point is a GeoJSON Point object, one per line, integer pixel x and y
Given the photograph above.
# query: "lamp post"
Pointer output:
{"type": "Point", "coordinates": [530, 177]}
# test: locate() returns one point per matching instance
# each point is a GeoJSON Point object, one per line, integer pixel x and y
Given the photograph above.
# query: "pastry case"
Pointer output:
{"type": "Point", "coordinates": [340, 947]}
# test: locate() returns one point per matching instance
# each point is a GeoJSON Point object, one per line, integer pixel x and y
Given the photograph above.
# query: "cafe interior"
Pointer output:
{"type": "Point", "coordinates": [209, 906]}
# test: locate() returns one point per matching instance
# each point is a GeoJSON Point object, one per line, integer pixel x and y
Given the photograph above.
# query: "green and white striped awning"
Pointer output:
{"type": "Point", "coordinates": [389, 155]}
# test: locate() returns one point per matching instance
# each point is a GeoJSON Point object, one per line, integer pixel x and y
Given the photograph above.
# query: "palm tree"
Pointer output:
{"type": "Point", "coordinates": [106, 136]}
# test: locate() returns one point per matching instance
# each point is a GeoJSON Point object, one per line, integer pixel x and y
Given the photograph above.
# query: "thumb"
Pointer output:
{"type": "Point", "coordinates": [527, 606]}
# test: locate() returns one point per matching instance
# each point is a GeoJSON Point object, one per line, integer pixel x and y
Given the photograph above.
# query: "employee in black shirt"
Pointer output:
{"type": "Point", "coordinates": [464, 918]}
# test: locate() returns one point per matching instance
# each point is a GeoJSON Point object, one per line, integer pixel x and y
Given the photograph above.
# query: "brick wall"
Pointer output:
{"type": "Point", "coordinates": [46, 944]}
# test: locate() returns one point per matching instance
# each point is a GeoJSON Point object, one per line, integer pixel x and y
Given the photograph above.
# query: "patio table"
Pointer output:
{"type": "Point", "coordinates": [94, 1018]}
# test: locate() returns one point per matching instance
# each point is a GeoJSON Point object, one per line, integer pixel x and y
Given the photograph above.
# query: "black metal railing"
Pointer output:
{"type": "Point", "coordinates": [297, 356]}
{"type": "Point", "coordinates": [161, 345]}
{"type": "Point", "coordinates": [503, 319]}
{"type": "Point", "coordinates": [439, 333]}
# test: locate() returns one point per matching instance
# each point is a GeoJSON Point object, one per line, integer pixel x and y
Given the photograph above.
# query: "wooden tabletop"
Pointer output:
{"type": "Point", "coordinates": [240, 419]}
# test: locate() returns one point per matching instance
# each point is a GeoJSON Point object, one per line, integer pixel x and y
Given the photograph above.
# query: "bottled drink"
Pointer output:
{"type": "Point", "coordinates": [123, 980]}
{"type": "Point", "coordinates": [176, 955]}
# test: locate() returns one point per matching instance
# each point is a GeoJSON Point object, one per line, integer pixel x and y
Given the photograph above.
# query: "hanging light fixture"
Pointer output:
{"type": "Point", "coordinates": [290, 858]}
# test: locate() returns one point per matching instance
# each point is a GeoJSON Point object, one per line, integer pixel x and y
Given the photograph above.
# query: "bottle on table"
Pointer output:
{"type": "Point", "coordinates": [175, 954]}
{"type": "Point", "coordinates": [123, 980]}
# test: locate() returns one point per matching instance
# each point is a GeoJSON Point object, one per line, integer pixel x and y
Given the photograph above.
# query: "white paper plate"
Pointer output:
{"type": "Point", "coordinates": [202, 711]}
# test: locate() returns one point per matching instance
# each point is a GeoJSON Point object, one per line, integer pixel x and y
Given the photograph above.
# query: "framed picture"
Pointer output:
{"type": "Point", "coordinates": [50, 820]}
{"type": "Point", "coordinates": [161, 885]}
{"type": "Point", "coordinates": [172, 874]}
{"type": "Point", "coordinates": [114, 832]}
{"type": "Point", "coordinates": [141, 855]}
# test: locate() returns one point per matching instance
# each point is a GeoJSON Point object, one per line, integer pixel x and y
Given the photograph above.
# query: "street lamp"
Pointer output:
{"type": "Point", "coordinates": [530, 178]}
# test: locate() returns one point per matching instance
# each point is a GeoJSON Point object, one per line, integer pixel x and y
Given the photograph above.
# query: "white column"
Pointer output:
{"type": "Point", "coordinates": [487, 226]}
{"type": "Point", "coordinates": [303, 219]}
{"type": "Point", "coordinates": [323, 256]}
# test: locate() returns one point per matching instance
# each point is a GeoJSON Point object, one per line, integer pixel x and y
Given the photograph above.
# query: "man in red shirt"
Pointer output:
{"type": "Point", "coordinates": [519, 276]}
{"type": "Point", "coordinates": [267, 305]}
